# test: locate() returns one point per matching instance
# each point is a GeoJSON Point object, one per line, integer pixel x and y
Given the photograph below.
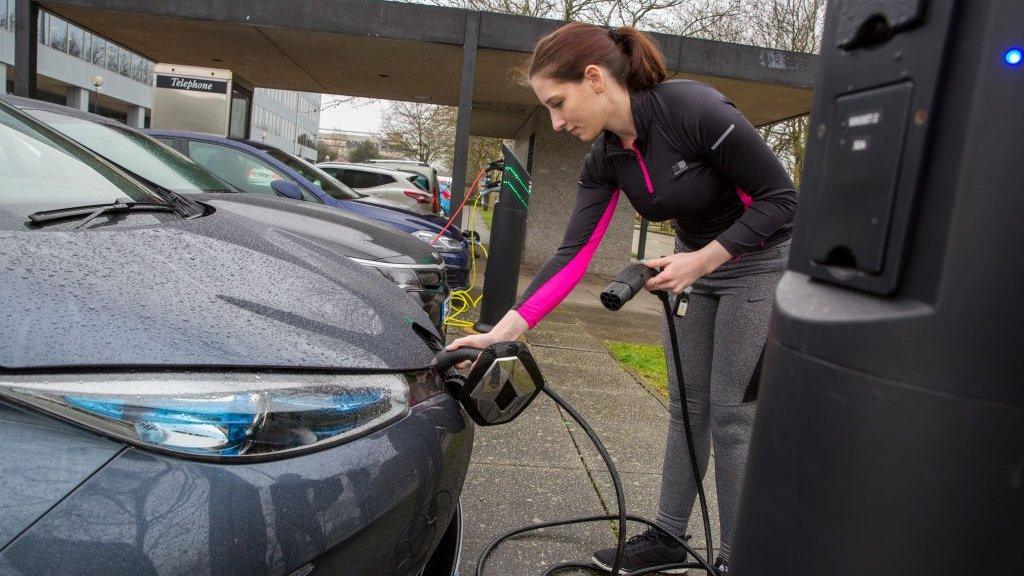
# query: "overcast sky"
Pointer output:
{"type": "Point", "coordinates": [358, 115]}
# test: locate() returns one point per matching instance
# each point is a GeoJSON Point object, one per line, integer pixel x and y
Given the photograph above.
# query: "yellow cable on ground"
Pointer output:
{"type": "Point", "coordinates": [462, 301]}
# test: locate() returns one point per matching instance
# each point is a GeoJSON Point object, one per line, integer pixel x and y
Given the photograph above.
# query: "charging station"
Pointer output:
{"type": "Point", "coordinates": [508, 232]}
{"type": "Point", "coordinates": [890, 432]}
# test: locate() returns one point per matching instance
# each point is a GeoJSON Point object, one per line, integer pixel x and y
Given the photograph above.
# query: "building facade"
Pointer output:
{"type": "Point", "coordinates": [69, 59]}
{"type": "Point", "coordinates": [342, 142]}
{"type": "Point", "coordinates": [287, 120]}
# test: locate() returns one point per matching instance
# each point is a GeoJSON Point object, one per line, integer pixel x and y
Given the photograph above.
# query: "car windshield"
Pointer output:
{"type": "Point", "coordinates": [322, 179]}
{"type": "Point", "coordinates": [138, 153]}
{"type": "Point", "coordinates": [42, 170]}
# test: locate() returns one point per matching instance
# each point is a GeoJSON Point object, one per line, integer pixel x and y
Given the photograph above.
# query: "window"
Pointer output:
{"type": "Point", "coordinates": [98, 51]}
{"type": "Point", "coordinates": [125, 67]}
{"type": "Point", "coordinates": [167, 141]}
{"type": "Point", "coordinates": [113, 53]}
{"type": "Point", "coordinates": [318, 177]}
{"type": "Point", "coordinates": [360, 179]}
{"type": "Point", "coordinates": [4, 5]}
{"type": "Point", "coordinates": [240, 169]}
{"type": "Point", "coordinates": [138, 72]}
{"type": "Point", "coordinates": [58, 34]}
{"type": "Point", "coordinates": [127, 147]}
{"type": "Point", "coordinates": [76, 39]}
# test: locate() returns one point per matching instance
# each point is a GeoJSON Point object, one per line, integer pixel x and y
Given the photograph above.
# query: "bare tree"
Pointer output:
{"type": "Point", "coordinates": [787, 25]}
{"type": "Point", "coordinates": [424, 132]}
{"type": "Point", "coordinates": [722, 20]}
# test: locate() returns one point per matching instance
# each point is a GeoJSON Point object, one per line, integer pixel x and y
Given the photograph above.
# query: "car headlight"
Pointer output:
{"type": "Point", "coordinates": [227, 416]}
{"type": "Point", "coordinates": [443, 244]}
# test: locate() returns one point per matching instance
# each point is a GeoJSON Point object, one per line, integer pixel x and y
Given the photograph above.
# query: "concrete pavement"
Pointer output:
{"type": "Point", "coordinates": [542, 466]}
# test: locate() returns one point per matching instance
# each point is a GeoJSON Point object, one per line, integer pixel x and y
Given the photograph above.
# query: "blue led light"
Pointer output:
{"type": "Point", "coordinates": [1013, 56]}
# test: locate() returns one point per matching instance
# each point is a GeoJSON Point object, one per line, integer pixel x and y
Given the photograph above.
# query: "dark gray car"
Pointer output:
{"type": "Point", "coordinates": [405, 260]}
{"type": "Point", "coordinates": [185, 389]}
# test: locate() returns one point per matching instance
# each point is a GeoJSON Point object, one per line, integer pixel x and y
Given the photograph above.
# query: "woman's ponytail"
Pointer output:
{"type": "Point", "coordinates": [645, 62]}
{"type": "Point", "coordinates": [631, 56]}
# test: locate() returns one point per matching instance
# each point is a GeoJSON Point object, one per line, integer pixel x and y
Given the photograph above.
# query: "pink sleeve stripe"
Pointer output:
{"type": "Point", "coordinates": [744, 197]}
{"type": "Point", "coordinates": [552, 292]}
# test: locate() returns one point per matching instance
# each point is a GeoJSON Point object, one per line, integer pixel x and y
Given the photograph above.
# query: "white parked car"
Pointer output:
{"type": "Point", "coordinates": [392, 185]}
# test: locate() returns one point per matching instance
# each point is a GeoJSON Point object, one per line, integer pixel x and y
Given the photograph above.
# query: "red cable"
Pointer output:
{"type": "Point", "coordinates": [459, 210]}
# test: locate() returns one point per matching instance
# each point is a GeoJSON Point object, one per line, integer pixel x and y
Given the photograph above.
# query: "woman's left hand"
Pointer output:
{"type": "Point", "coordinates": [681, 270]}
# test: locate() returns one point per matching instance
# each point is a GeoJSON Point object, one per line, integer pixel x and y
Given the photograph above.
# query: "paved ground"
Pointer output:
{"type": "Point", "coordinates": [542, 467]}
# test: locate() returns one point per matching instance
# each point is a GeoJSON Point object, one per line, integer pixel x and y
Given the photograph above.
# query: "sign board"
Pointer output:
{"type": "Point", "coordinates": [192, 99]}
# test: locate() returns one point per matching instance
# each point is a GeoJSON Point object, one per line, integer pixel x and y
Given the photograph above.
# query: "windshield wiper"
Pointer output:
{"type": "Point", "coordinates": [91, 211]}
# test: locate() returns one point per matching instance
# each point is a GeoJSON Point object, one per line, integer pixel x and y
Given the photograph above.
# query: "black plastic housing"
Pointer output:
{"type": "Point", "coordinates": [890, 431]}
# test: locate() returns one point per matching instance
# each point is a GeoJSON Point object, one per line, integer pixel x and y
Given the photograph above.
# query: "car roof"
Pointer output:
{"type": "Point", "coordinates": [368, 168]}
{"type": "Point", "coordinates": [33, 104]}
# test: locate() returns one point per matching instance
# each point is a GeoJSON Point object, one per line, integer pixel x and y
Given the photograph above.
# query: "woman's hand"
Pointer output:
{"type": "Point", "coordinates": [510, 327]}
{"type": "Point", "coordinates": [681, 270]}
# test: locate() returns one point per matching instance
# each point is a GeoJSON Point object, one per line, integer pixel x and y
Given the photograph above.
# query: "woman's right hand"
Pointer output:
{"type": "Point", "coordinates": [510, 327]}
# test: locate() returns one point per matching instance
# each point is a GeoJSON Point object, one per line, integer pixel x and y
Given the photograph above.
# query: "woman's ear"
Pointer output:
{"type": "Point", "coordinates": [593, 75]}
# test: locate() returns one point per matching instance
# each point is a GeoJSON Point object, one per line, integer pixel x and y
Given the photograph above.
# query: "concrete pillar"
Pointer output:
{"type": "Point", "coordinates": [136, 116]}
{"type": "Point", "coordinates": [3, 78]}
{"type": "Point", "coordinates": [78, 98]}
{"type": "Point", "coordinates": [557, 160]}
{"type": "Point", "coordinates": [466, 82]}
{"type": "Point", "coordinates": [26, 44]}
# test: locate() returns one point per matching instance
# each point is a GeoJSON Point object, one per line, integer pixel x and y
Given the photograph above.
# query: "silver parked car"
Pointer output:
{"type": "Point", "coordinates": [393, 185]}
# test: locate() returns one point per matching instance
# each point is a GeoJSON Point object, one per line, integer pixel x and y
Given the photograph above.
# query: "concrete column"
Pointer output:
{"type": "Point", "coordinates": [136, 116]}
{"type": "Point", "coordinates": [26, 43]}
{"type": "Point", "coordinates": [78, 98]}
{"type": "Point", "coordinates": [3, 78]}
{"type": "Point", "coordinates": [466, 82]}
{"type": "Point", "coordinates": [557, 160]}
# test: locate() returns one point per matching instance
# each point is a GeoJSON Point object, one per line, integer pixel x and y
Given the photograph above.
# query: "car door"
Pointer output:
{"type": "Point", "coordinates": [239, 168]}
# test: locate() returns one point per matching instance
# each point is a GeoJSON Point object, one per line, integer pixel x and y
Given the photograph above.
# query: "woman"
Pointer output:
{"type": "Point", "coordinates": [678, 150]}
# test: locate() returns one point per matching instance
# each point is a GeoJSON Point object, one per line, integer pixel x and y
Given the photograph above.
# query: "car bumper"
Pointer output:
{"type": "Point", "coordinates": [376, 505]}
{"type": "Point", "coordinates": [456, 269]}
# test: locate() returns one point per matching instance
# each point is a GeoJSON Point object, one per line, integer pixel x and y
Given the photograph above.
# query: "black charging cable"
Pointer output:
{"type": "Point", "coordinates": [628, 283]}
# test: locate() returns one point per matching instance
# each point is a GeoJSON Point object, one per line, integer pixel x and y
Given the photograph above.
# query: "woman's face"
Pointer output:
{"type": "Point", "coordinates": [579, 108]}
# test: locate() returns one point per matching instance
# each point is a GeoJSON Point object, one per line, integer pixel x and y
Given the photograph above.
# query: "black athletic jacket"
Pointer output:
{"type": "Point", "coordinates": [696, 160]}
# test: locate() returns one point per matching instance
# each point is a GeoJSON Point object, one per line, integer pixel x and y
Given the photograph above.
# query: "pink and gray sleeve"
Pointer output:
{"type": "Point", "coordinates": [595, 204]}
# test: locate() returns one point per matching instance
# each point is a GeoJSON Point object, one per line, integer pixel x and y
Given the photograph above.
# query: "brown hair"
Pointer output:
{"type": "Point", "coordinates": [630, 55]}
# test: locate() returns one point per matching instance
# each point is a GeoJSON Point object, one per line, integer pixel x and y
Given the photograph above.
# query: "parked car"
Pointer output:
{"type": "Point", "coordinates": [445, 185]}
{"type": "Point", "coordinates": [231, 158]}
{"type": "Point", "coordinates": [404, 260]}
{"type": "Point", "coordinates": [416, 167]}
{"type": "Point", "coordinates": [188, 390]}
{"type": "Point", "coordinates": [382, 183]}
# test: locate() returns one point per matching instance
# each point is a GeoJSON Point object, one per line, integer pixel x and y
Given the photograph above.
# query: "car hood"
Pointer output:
{"type": "Point", "coordinates": [217, 291]}
{"type": "Point", "coordinates": [407, 220]}
{"type": "Point", "coordinates": [348, 234]}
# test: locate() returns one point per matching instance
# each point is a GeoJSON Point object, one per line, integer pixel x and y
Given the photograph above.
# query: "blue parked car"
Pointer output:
{"type": "Point", "coordinates": [186, 390]}
{"type": "Point", "coordinates": [254, 167]}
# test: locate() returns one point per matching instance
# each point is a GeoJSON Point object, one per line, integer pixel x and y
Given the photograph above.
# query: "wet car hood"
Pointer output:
{"type": "Point", "coordinates": [402, 218]}
{"type": "Point", "coordinates": [221, 290]}
{"type": "Point", "coordinates": [347, 233]}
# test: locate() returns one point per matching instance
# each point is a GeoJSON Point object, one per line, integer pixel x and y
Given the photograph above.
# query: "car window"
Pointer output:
{"type": "Point", "coordinates": [420, 181]}
{"type": "Point", "coordinates": [167, 141]}
{"type": "Point", "coordinates": [385, 179]}
{"type": "Point", "coordinates": [136, 153]}
{"type": "Point", "coordinates": [241, 169]}
{"type": "Point", "coordinates": [40, 169]}
{"type": "Point", "coordinates": [361, 179]}
{"type": "Point", "coordinates": [318, 177]}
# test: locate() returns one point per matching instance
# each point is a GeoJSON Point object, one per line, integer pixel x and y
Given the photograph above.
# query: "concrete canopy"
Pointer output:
{"type": "Point", "coordinates": [411, 52]}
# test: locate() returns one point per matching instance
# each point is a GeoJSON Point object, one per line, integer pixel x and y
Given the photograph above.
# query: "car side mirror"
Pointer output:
{"type": "Point", "coordinates": [287, 188]}
{"type": "Point", "coordinates": [504, 380]}
{"type": "Point", "coordinates": [471, 235]}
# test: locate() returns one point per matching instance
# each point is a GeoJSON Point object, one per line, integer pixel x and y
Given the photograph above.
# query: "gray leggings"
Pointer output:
{"type": "Point", "coordinates": [720, 342]}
